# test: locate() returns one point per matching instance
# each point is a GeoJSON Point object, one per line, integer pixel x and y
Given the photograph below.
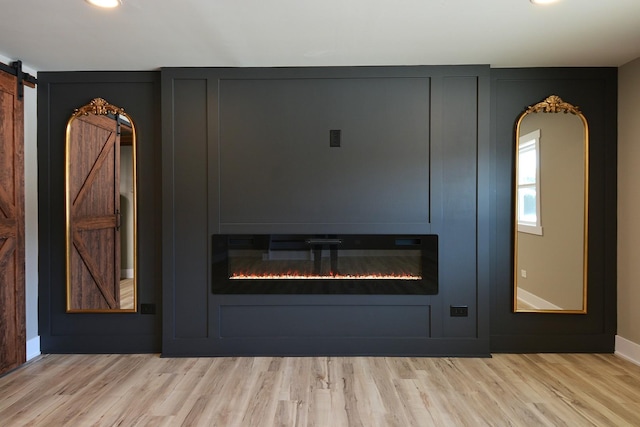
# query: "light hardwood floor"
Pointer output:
{"type": "Point", "coordinates": [146, 390]}
{"type": "Point", "coordinates": [126, 293]}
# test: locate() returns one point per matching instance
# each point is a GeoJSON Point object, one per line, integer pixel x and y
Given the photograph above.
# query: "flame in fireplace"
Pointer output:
{"type": "Point", "coordinates": [299, 276]}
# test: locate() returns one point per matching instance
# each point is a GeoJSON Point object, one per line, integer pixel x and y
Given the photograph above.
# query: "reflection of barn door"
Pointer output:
{"type": "Point", "coordinates": [94, 197]}
{"type": "Point", "coordinates": [12, 303]}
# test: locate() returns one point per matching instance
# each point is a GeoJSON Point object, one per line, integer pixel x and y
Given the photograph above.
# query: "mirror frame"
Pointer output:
{"type": "Point", "coordinates": [100, 107]}
{"type": "Point", "coordinates": [552, 104]}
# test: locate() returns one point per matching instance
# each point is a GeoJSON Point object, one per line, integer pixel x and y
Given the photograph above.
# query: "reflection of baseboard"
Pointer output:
{"type": "Point", "coordinates": [126, 273]}
{"type": "Point", "coordinates": [627, 350]}
{"type": "Point", "coordinates": [535, 301]}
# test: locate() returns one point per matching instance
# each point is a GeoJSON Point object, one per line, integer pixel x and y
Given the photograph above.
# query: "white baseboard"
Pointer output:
{"type": "Point", "coordinates": [535, 301]}
{"type": "Point", "coordinates": [33, 348]}
{"type": "Point", "coordinates": [126, 273]}
{"type": "Point", "coordinates": [627, 350]}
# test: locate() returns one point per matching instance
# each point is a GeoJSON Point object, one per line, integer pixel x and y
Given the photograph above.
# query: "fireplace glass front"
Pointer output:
{"type": "Point", "coordinates": [325, 264]}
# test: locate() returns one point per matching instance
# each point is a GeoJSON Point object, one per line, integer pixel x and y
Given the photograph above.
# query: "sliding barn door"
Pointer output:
{"type": "Point", "coordinates": [94, 214]}
{"type": "Point", "coordinates": [12, 282]}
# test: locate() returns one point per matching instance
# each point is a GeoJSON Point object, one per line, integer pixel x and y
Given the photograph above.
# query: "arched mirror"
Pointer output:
{"type": "Point", "coordinates": [551, 217]}
{"type": "Point", "coordinates": [100, 190]}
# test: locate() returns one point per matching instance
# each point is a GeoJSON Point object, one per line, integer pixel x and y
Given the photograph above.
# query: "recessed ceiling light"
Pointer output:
{"type": "Point", "coordinates": [107, 4]}
{"type": "Point", "coordinates": [543, 1]}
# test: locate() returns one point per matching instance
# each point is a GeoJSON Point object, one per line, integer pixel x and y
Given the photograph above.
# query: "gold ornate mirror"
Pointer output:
{"type": "Point", "coordinates": [551, 208]}
{"type": "Point", "coordinates": [101, 217]}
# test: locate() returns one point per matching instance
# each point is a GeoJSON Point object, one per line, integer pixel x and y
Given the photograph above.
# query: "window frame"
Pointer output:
{"type": "Point", "coordinates": [526, 143]}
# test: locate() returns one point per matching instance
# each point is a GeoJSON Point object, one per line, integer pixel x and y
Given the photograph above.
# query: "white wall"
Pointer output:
{"type": "Point", "coordinates": [628, 340]}
{"type": "Point", "coordinates": [31, 212]}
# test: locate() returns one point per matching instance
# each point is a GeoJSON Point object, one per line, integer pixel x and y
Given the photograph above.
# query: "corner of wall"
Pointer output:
{"type": "Point", "coordinates": [628, 269]}
{"type": "Point", "coordinates": [627, 350]}
{"type": "Point", "coordinates": [33, 348]}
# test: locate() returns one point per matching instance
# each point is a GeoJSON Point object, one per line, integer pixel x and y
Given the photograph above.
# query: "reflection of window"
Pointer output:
{"type": "Point", "coordinates": [529, 183]}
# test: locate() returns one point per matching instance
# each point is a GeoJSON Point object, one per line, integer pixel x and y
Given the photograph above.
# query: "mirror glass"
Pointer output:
{"type": "Point", "coordinates": [551, 199]}
{"type": "Point", "coordinates": [100, 191]}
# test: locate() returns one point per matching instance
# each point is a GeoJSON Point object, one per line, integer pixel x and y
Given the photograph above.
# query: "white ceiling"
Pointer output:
{"type": "Point", "coordinates": [50, 35]}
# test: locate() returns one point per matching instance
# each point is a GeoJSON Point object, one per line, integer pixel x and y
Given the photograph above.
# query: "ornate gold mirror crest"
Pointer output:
{"type": "Point", "coordinates": [551, 191]}
{"type": "Point", "coordinates": [101, 209]}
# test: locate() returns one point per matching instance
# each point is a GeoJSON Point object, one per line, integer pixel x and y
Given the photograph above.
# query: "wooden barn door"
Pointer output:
{"type": "Point", "coordinates": [12, 235]}
{"type": "Point", "coordinates": [94, 214]}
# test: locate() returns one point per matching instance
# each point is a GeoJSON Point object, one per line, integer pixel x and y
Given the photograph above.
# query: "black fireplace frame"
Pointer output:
{"type": "Point", "coordinates": [426, 243]}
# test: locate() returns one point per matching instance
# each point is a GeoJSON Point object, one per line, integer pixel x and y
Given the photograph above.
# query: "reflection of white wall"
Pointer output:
{"type": "Point", "coordinates": [126, 208]}
{"type": "Point", "coordinates": [31, 214]}
{"type": "Point", "coordinates": [553, 262]}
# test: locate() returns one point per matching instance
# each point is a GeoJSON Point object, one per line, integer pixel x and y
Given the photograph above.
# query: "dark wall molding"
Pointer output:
{"type": "Point", "coordinates": [472, 113]}
{"type": "Point", "coordinates": [197, 322]}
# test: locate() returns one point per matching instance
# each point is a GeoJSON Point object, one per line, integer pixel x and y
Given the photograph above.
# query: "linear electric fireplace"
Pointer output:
{"type": "Point", "coordinates": [325, 264]}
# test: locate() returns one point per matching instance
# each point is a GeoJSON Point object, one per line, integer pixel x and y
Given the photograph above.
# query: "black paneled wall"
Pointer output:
{"type": "Point", "coordinates": [58, 95]}
{"type": "Point", "coordinates": [594, 90]}
{"type": "Point", "coordinates": [250, 151]}
{"type": "Point", "coordinates": [422, 150]}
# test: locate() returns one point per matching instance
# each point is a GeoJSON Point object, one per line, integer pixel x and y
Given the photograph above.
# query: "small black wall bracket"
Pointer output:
{"type": "Point", "coordinates": [15, 69]}
{"type": "Point", "coordinates": [17, 65]}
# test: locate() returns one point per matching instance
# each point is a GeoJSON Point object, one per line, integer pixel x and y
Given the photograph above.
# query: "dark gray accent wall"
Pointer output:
{"type": "Point", "coordinates": [58, 95]}
{"type": "Point", "coordinates": [594, 90]}
{"type": "Point", "coordinates": [412, 135]}
{"type": "Point", "coordinates": [186, 190]}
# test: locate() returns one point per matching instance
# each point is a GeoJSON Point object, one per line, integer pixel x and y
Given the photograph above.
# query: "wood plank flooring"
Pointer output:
{"type": "Point", "coordinates": [146, 390]}
{"type": "Point", "coordinates": [126, 293]}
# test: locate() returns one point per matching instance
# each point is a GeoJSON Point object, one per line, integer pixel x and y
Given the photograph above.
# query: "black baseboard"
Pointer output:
{"type": "Point", "coordinates": [306, 347]}
{"type": "Point", "coordinates": [74, 344]}
{"type": "Point", "coordinates": [596, 343]}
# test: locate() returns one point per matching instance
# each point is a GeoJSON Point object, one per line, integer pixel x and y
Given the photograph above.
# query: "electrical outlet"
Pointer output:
{"type": "Point", "coordinates": [459, 310]}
